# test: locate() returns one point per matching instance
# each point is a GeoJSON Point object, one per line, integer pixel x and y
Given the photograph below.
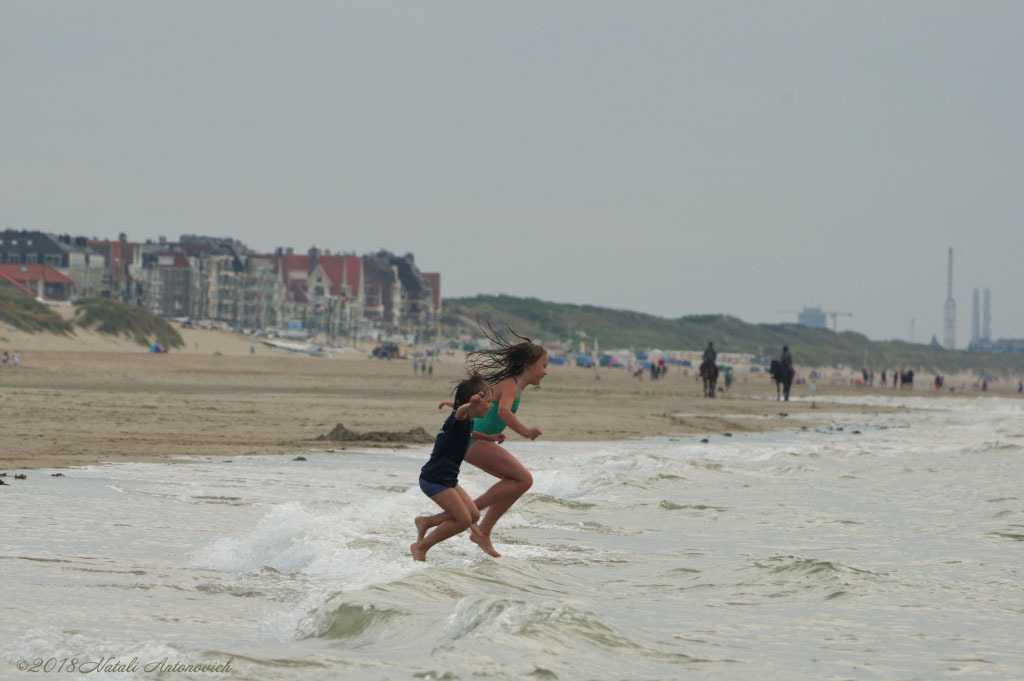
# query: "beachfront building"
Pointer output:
{"type": "Point", "coordinates": [335, 291]}
{"type": "Point", "coordinates": [38, 281]}
{"type": "Point", "coordinates": [262, 293]}
{"type": "Point", "coordinates": [24, 247]}
{"type": "Point", "coordinates": [85, 265]}
{"type": "Point", "coordinates": [399, 296]}
{"type": "Point", "coordinates": [71, 257]}
{"type": "Point", "coordinates": [221, 280]}
{"type": "Point", "coordinates": [169, 283]}
{"type": "Point", "coordinates": [120, 259]}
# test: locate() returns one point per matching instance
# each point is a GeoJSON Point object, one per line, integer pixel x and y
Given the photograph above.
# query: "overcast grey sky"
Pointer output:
{"type": "Point", "coordinates": [668, 157]}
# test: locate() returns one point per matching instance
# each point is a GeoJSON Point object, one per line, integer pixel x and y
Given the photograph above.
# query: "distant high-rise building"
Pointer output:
{"type": "Point", "coordinates": [975, 317]}
{"type": "Point", "coordinates": [812, 316]}
{"type": "Point", "coordinates": [986, 316]}
{"type": "Point", "coordinates": [949, 313]}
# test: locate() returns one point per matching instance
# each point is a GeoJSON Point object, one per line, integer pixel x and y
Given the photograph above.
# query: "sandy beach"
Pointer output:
{"type": "Point", "coordinates": [89, 398]}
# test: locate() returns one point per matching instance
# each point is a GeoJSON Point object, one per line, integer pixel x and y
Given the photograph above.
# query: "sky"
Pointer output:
{"type": "Point", "coordinates": [669, 157]}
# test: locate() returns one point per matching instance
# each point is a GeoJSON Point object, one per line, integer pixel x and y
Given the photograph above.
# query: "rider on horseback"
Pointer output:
{"type": "Point", "coordinates": [709, 353]}
{"type": "Point", "coordinates": [709, 371]}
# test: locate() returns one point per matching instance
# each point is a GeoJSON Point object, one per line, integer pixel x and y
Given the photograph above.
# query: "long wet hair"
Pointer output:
{"type": "Point", "coordinates": [469, 386]}
{"type": "Point", "coordinates": [507, 360]}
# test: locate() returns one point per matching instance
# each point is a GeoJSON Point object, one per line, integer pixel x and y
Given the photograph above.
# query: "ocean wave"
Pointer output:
{"type": "Point", "coordinates": [349, 621]}
{"type": "Point", "coordinates": [670, 506]}
{"type": "Point", "coordinates": [790, 575]}
{"type": "Point", "coordinates": [489, 616]}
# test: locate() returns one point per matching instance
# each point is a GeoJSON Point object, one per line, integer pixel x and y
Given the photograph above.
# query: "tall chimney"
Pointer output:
{"type": "Point", "coordinates": [949, 312]}
{"type": "Point", "coordinates": [986, 316]}
{"type": "Point", "coordinates": [975, 317]}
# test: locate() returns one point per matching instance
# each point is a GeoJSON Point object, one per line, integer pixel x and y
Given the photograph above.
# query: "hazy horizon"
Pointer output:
{"type": "Point", "coordinates": [671, 158]}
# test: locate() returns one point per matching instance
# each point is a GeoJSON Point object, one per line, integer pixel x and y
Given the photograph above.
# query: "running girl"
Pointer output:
{"type": "Point", "coordinates": [509, 369]}
{"type": "Point", "coordinates": [439, 477]}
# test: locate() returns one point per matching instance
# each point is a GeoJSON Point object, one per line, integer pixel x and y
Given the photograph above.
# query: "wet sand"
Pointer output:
{"type": "Point", "coordinates": [88, 399]}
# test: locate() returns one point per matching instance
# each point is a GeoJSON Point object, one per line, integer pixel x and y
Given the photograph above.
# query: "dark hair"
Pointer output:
{"type": "Point", "coordinates": [508, 359]}
{"type": "Point", "coordinates": [469, 386]}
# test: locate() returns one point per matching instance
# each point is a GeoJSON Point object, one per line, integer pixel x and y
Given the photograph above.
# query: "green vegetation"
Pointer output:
{"type": "Point", "coordinates": [25, 313]}
{"type": "Point", "coordinates": [120, 319]}
{"type": "Point", "coordinates": [552, 322]}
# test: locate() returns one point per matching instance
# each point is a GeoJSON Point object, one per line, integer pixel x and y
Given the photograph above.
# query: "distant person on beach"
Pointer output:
{"type": "Point", "coordinates": [439, 477]}
{"type": "Point", "coordinates": [786, 371]}
{"type": "Point", "coordinates": [710, 354]}
{"type": "Point", "coordinates": [508, 369]}
{"type": "Point", "coordinates": [1020, 386]}
{"type": "Point", "coordinates": [16, 359]}
{"type": "Point", "coordinates": [3, 358]}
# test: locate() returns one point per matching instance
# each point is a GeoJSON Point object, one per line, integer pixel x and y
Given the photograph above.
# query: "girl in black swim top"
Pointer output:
{"type": "Point", "coordinates": [439, 477]}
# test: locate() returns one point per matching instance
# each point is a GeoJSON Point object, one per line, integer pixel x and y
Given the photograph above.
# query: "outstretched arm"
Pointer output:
{"type": "Point", "coordinates": [462, 413]}
{"type": "Point", "coordinates": [447, 403]}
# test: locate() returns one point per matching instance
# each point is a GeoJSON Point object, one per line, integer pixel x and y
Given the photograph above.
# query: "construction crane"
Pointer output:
{"type": "Point", "coordinates": [817, 311]}
{"type": "Point", "coordinates": [833, 315]}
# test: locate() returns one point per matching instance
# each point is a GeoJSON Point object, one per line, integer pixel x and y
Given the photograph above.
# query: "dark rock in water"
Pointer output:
{"type": "Point", "coordinates": [3, 483]}
{"type": "Point", "coordinates": [299, 458]}
{"type": "Point", "coordinates": [20, 476]}
{"type": "Point", "coordinates": [727, 434]}
{"type": "Point", "coordinates": [705, 440]}
{"type": "Point", "coordinates": [342, 434]}
{"type": "Point", "coordinates": [856, 432]}
{"type": "Point", "coordinates": [57, 475]}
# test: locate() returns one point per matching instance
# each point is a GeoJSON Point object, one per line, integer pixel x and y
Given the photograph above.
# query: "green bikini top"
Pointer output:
{"type": "Point", "coordinates": [491, 424]}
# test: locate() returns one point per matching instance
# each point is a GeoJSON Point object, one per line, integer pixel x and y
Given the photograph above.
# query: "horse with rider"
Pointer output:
{"type": "Point", "coordinates": [782, 373]}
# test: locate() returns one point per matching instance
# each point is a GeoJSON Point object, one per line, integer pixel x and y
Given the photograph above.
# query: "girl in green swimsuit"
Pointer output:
{"type": "Point", "coordinates": [509, 369]}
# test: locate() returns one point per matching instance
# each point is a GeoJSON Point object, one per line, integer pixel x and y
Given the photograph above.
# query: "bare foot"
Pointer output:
{"type": "Point", "coordinates": [484, 542]}
{"type": "Point", "coordinates": [417, 552]}
{"type": "Point", "coordinates": [421, 527]}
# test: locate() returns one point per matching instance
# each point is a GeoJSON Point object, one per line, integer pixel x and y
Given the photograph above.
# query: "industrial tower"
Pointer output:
{"type": "Point", "coordinates": [975, 318]}
{"type": "Point", "coordinates": [986, 316]}
{"type": "Point", "coordinates": [949, 315]}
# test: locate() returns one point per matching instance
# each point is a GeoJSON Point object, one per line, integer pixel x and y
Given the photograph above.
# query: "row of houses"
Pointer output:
{"type": "Point", "coordinates": [221, 280]}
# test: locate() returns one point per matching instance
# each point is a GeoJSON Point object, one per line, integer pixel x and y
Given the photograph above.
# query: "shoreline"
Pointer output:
{"type": "Point", "coordinates": [89, 400]}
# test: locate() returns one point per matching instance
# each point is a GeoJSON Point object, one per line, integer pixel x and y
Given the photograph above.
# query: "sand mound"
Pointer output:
{"type": "Point", "coordinates": [342, 434]}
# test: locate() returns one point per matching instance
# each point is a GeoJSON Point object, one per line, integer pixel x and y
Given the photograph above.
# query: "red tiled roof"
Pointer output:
{"type": "Point", "coordinates": [353, 270]}
{"type": "Point", "coordinates": [17, 284]}
{"type": "Point", "coordinates": [297, 262]}
{"type": "Point", "coordinates": [334, 267]}
{"type": "Point", "coordinates": [32, 273]}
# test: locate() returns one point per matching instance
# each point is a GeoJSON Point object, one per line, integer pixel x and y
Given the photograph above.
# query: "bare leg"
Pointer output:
{"type": "Point", "coordinates": [461, 516]}
{"type": "Point", "coordinates": [515, 481]}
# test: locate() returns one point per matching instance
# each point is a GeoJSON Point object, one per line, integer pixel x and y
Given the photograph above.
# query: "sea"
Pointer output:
{"type": "Point", "coordinates": [876, 545]}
